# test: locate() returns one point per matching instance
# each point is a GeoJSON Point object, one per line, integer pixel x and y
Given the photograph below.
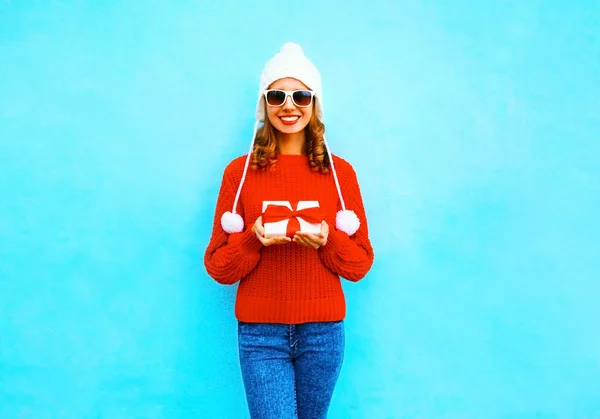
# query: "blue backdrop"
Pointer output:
{"type": "Point", "coordinates": [474, 130]}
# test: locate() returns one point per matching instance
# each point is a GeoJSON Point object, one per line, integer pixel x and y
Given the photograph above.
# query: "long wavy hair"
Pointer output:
{"type": "Point", "coordinates": [265, 145]}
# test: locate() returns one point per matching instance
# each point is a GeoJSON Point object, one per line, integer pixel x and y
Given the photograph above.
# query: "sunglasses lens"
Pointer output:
{"type": "Point", "coordinates": [302, 97]}
{"type": "Point", "coordinates": [275, 97]}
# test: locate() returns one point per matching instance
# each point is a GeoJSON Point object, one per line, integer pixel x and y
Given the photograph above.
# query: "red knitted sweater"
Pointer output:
{"type": "Point", "coordinates": [288, 283]}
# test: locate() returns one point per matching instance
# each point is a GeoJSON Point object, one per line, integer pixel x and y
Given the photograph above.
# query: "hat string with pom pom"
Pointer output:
{"type": "Point", "coordinates": [345, 220]}
{"type": "Point", "coordinates": [233, 222]}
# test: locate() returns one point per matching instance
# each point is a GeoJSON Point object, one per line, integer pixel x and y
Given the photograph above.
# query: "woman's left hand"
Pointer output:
{"type": "Point", "coordinates": [312, 240]}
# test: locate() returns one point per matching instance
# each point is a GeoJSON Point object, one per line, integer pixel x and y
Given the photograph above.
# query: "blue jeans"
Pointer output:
{"type": "Point", "coordinates": [290, 371]}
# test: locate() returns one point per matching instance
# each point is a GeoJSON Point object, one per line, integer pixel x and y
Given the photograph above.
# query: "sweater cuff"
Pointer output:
{"type": "Point", "coordinates": [247, 241]}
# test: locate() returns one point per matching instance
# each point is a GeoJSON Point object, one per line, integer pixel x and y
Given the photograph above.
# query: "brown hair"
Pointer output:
{"type": "Point", "coordinates": [265, 145]}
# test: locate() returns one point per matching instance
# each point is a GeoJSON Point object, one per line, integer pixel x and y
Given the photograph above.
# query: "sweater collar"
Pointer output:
{"type": "Point", "coordinates": [292, 159]}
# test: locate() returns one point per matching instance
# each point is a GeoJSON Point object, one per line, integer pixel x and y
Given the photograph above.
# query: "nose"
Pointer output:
{"type": "Point", "coordinates": [289, 103]}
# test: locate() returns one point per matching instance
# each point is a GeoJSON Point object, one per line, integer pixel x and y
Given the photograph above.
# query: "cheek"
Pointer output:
{"type": "Point", "coordinates": [272, 116]}
{"type": "Point", "coordinates": [306, 116]}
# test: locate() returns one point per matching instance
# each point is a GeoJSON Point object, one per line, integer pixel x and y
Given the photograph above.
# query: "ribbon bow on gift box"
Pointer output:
{"type": "Point", "coordinates": [275, 213]}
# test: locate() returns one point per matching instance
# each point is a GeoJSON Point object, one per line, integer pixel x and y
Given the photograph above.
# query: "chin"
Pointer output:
{"type": "Point", "coordinates": [290, 129]}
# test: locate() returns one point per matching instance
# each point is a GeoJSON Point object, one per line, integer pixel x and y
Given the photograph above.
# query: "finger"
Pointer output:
{"type": "Point", "coordinates": [309, 241]}
{"type": "Point", "coordinates": [278, 240]}
{"type": "Point", "coordinates": [262, 240]}
{"type": "Point", "coordinates": [300, 240]}
{"type": "Point", "coordinates": [314, 245]}
{"type": "Point", "coordinates": [260, 229]}
{"type": "Point", "coordinates": [256, 230]}
{"type": "Point", "coordinates": [324, 229]}
{"type": "Point", "coordinates": [318, 241]}
{"type": "Point", "coordinates": [312, 237]}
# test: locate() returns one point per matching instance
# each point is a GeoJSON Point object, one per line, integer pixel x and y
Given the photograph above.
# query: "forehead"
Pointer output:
{"type": "Point", "coordinates": [288, 83]}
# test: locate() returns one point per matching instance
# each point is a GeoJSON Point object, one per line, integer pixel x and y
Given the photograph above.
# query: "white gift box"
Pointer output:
{"type": "Point", "coordinates": [279, 228]}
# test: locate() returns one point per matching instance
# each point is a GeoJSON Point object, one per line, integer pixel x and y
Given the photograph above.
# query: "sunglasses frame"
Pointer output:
{"type": "Point", "coordinates": [289, 93]}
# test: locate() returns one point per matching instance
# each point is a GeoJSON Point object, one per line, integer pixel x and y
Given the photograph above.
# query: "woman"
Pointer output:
{"type": "Point", "coordinates": [291, 195]}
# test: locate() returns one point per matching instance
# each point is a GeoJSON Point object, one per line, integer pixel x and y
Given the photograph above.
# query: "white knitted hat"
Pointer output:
{"type": "Point", "coordinates": [290, 62]}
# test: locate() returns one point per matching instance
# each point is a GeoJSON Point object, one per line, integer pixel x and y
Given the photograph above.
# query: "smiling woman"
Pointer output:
{"type": "Point", "coordinates": [291, 126]}
{"type": "Point", "coordinates": [290, 304]}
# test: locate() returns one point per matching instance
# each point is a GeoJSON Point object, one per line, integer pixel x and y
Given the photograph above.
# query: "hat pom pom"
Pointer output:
{"type": "Point", "coordinates": [292, 48]}
{"type": "Point", "coordinates": [347, 221]}
{"type": "Point", "coordinates": [232, 223]}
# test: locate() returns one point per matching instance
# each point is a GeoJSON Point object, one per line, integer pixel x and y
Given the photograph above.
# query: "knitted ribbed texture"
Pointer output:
{"type": "Point", "coordinates": [288, 283]}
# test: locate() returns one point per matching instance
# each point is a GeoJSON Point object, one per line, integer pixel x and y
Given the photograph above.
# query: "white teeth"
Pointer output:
{"type": "Point", "coordinates": [290, 118]}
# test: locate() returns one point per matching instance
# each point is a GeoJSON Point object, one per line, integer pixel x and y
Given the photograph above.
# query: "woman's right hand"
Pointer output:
{"type": "Point", "coordinates": [259, 231]}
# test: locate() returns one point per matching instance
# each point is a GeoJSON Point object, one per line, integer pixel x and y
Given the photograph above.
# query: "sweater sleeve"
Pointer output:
{"type": "Point", "coordinates": [351, 257]}
{"type": "Point", "coordinates": [230, 257]}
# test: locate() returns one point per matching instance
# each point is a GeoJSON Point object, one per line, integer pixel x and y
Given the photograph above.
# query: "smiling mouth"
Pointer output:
{"type": "Point", "coordinates": [289, 120]}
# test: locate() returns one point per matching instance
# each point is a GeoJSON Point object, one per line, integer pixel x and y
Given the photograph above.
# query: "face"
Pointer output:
{"type": "Point", "coordinates": [289, 118]}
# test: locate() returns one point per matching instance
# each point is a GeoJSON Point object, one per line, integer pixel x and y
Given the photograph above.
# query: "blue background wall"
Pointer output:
{"type": "Point", "coordinates": [475, 135]}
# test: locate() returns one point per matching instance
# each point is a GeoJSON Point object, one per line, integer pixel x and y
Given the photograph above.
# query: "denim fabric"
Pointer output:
{"type": "Point", "coordinates": [290, 371]}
